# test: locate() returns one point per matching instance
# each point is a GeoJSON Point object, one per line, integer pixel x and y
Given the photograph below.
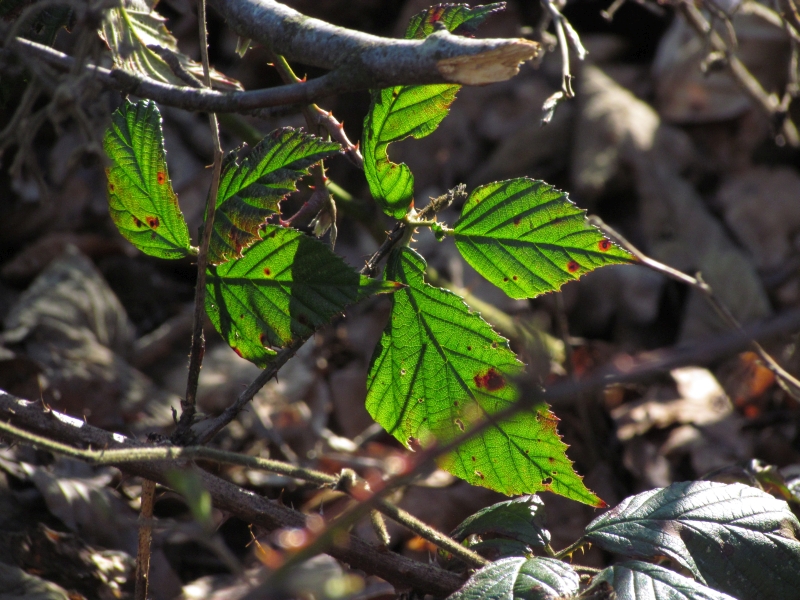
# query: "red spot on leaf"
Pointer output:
{"type": "Point", "coordinates": [152, 222]}
{"type": "Point", "coordinates": [515, 278]}
{"type": "Point", "coordinates": [161, 177]}
{"type": "Point", "coordinates": [604, 245]}
{"type": "Point", "coordinates": [111, 187]}
{"type": "Point", "coordinates": [267, 272]}
{"type": "Point", "coordinates": [573, 266]}
{"type": "Point", "coordinates": [436, 15]}
{"type": "Point", "coordinates": [238, 352]}
{"type": "Point", "coordinates": [491, 381]}
{"type": "Point", "coordinates": [262, 338]}
{"type": "Point", "coordinates": [137, 222]}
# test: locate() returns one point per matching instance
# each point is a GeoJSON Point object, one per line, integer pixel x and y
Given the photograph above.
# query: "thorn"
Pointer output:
{"type": "Point", "coordinates": [340, 125]}
{"type": "Point", "coordinates": [311, 187]}
{"type": "Point", "coordinates": [358, 143]}
{"type": "Point", "coordinates": [304, 79]}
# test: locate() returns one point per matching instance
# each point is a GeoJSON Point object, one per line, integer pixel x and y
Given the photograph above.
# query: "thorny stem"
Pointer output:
{"type": "Point", "coordinates": [572, 548]}
{"type": "Point", "coordinates": [347, 482]}
{"type": "Point", "coordinates": [787, 381]}
{"type": "Point", "coordinates": [188, 409]}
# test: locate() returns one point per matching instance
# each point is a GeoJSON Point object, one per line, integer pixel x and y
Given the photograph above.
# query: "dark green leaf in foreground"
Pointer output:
{"type": "Point", "coordinates": [251, 189]}
{"type": "Point", "coordinates": [519, 519]}
{"type": "Point", "coordinates": [635, 580]}
{"type": "Point", "coordinates": [141, 200]}
{"type": "Point", "coordinates": [527, 238]}
{"type": "Point", "coordinates": [521, 579]}
{"type": "Point", "coordinates": [457, 18]}
{"type": "Point", "coordinates": [439, 369]}
{"type": "Point", "coordinates": [411, 111]}
{"type": "Point", "coordinates": [734, 538]}
{"type": "Point", "coordinates": [283, 288]}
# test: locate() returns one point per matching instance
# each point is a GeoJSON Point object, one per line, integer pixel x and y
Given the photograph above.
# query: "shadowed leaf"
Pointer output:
{"type": "Point", "coordinates": [141, 200]}
{"type": "Point", "coordinates": [284, 287]}
{"type": "Point", "coordinates": [251, 189]}
{"type": "Point", "coordinates": [635, 580]}
{"type": "Point", "coordinates": [440, 369]}
{"type": "Point", "coordinates": [519, 519]}
{"type": "Point", "coordinates": [521, 579]}
{"type": "Point", "coordinates": [715, 531]}
{"type": "Point", "coordinates": [527, 238]}
{"type": "Point", "coordinates": [137, 37]}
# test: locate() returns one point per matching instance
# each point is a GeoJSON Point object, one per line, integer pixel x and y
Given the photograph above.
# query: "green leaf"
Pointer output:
{"type": "Point", "coordinates": [734, 538]}
{"type": "Point", "coordinates": [283, 288]}
{"type": "Point", "coordinates": [133, 32]}
{"type": "Point", "coordinates": [250, 189]}
{"type": "Point", "coordinates": [141, 200]}
{"type": "Point", "coordinates": [400, 112]}
{"type": "Point", "coordinates": [521, 579]}
{"type": "Point", "coordinates": [439, 369]}
{"type": "Point", "coordinates": [395, 114]}
{"type": "Point", "coordinates": [635, 580]}
{"type": "Point", "coordinates": [519, 519]}
{"type": "Point", "coordinates": [457, 18]}
{"type": "Point", "coordinates": [527, 238]}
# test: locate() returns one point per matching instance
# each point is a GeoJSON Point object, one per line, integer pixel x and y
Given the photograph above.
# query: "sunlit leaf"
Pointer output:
{"type": "Point", "coordinates": [521, 579]}
{"type": "Point", "coordinates": [457, 18]}
{"type": "Point", "coordinates": [251, 188]}
{"type": "Point", "coordinates": [137, 37]}
{"type": "Point", "coordinates": [283, 288]}
{"type": "Point", "coordinates": [439, 369]}
{"type": "Point", "coordinates": [400, 112]}
{"type": "Point", "coordinates": [141, 200]}
{"type": "Point", "coordinates": [734, 538]}
{"type": "Point", "coordinates": [527, 238]}
{"type": "Point", "coordinates": [635, 580]}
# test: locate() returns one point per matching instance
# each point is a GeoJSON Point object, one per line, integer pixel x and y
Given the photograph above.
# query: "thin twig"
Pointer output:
{"type": "Point", "coordinates": [787, 381]}
{"type": "Point", "coordinates": [347, 482]}
{"type": "Point", "coordinates": [145, 537]}
{"type": "Point", "coordinates": [188, 409]}
{"type": "Point", "coordinates": [768, 103]}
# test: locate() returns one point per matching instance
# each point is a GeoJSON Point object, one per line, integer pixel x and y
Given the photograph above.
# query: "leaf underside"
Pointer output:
{"type": "Point", "coordinates": [251, 189]}
{"type": "Point", "coordinates": [400, 112]}
{"type": "Point", "coordinates": [141, 200]}
{"type": "Point", "coordinates": [440, 369]}
{"type": "Point", "coordinates": [521, 579]}
{"type": "Point", "coordinates": [635, 580]}
{"type": "Point", "coordinates": [134, 31]}
{"type": "Point", "coordinates": [715, 531]}
{"type": "Point", "coordinates": [283, 288]}
{"type": "Point", "coordinates": [527, 238]}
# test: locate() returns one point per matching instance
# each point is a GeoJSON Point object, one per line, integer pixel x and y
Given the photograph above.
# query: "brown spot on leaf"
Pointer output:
{"type": "Point", "coordinates": [302, 319]}
{"type": "Point", "coordinates": [479, 474]}
{"type": "Point", "coordinates": [455, 403]}
{"type": "Point", "coordinates": [111, 187]}
{"type": "Point", "coordinates": [604, 245]}
{"type": "Point", "coordinates": [547, 481]}
{"type": "Point", "coordinates": [267, 271]}
{"type": "Point", "coordinates": [238, 352]}
{"type": "Point", "coordinates": [514, 278]}
{"type": "Point", "coordinates": [505, 278]}
{"type": "Point", "coordinates": [161, 177]}
{"type": "Point", "coordinates": [573, 266]}
{"type": "Point", "coordinates": [474, 459]}
{"type": "Point", "coordinates": [261, 338]}
{"type": "Point", "coordinates": [490, 381]}
{"type": "Point", "coordinates": [137, 222]}
{"type": "Point", "coordinates": [551, 459]}
{"type": "Point", "coordinates": [153, 222]}
{"type": "Point", "coordinates": [517, 221]}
